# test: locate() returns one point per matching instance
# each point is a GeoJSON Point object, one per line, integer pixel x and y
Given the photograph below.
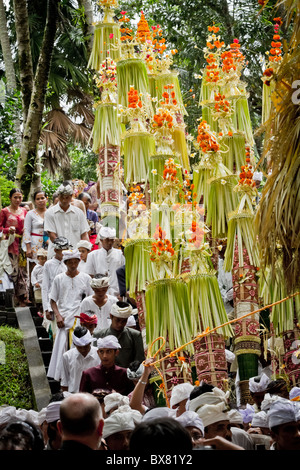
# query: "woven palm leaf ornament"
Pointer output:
{"type": "Point", "coordinates": [274, 58]}
{"type": "Point", "coordinates": [106, 40]}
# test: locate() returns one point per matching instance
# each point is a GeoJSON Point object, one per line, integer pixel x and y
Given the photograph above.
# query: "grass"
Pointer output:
{"type": "Point", "coordinates": [15, 384]}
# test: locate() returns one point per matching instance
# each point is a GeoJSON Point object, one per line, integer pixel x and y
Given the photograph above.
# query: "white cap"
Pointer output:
{"type": "Point", "coordinates": [121, 312]}
{"type": "Point", "coordinates": [131, 322]}
{"type": "Point", "coordinates": [42, 252]}
{"type": "Point", "coordinates": [107, 232]}
{"type": "Point", "coordinates": [294, 394]}
{"type": "Point", "coordinates": [70, 254]}
{"type": "Point", "coordinates": [259, 384]}
{"type": "Point", "coordinates": [283, 411]}
{"type": "Point", "coordinates": [235, 416]}
{"type": "Point", "coordinates": [211, 414]}
{"type": "Point", "coordinates": [209, 398]}
{"type": "Point", "coordinates": [191, 419]}
{"type": "Point", "coordinates": [121, 421]}
{"type": "Point", "coordinates": [100, 282]}
{"type": "Point", "coordinates": [159, 412]}
{"type": "Point", "coordinates": [114, 399]}
{"type": "Point", "coordinates": [84, 244]}
{"type": "Point", "coordinates": [257, 176]}
{"type": "Point", "coordinates": [230, 356]}
{"type": "Point", "coordinates": [108, 342]}
{"type": "Point", "coordinates": [68, 189]}
{"type": "Point", "coordinates": [84, 340]}
{"type": "Point", "coordinates": [260, 420]}
{"type": "Point", "coordinates": [180, 392]}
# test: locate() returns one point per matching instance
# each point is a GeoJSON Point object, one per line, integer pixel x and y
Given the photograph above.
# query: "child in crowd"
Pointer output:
{"type": "Point", "coordinates": [84, 247]}
{"type": "Point", "coordinates": [37, 276]}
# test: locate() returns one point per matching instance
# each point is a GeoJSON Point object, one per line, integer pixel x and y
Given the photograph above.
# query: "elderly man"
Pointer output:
{"type": "Point", "coordinates": [64, 219]}
{"type": "Point", "coordinates": [107, 375]}
{"type": "Point", "coordinates": [284, 423]}
{"type": "Point", "coordinates": [131, 340]}
{"type": "Point", "coordinates": [68, 290]}
{"type": "Point", "coordinates": [80, 423]}
{"type": "Point", "coordinates": [107, 259]}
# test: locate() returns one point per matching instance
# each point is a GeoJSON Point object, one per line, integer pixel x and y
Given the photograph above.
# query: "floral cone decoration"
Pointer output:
{"type": "Point", "coordinates": [107, 128]}
{"type": "Point", "coordinates": [213, 181]}
{"type": "Point", "coordinates": [131, 68]}
{"type": "Point", "coordinates": [269, 75]}
{"type": "Point", "coordinates": [137, 142]}
{"type": "Point", "coordinates": [106, 36]}
{"type": "Point", "coordinates": [242, 258]}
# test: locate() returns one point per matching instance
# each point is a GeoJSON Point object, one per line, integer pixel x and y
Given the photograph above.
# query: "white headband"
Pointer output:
{"type": "Point", "coordinates": [121, 312]}
{"type": "Point", "coordinates": [84, 340]}
{"type": "Point", "coordinates": [84, 244]}
{"type": "Point", "coordinates": [107, 232]}
{"type": "Point", "coordinates": [100, 282]}
{"type": "Point", "coordinates": [71, 254]}
{"type": "Point", "coordinates": [209, 398]}
{"type": "Point", "coordinates": [121, 421]}
{"type": "Point", "coordinates": [190, 418]}
{"type": "Point", "coordinates": [114, 399]}
{"type": "Point", "coordinates": [65, 190]}
{"type": "Point", "coordinates": [108, 342]}
{"type": "Point", "coordinates": [211, 414]}
{"type": "Point", "coordinates": [180, 392]}
{"type": "Point", "coordinates": [259, 384]}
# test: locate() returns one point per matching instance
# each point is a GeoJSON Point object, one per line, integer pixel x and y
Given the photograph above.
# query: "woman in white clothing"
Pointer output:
{"type": "Point", "coordinates": [100, 302]}
{"type": "Point", "coordinates": [34, 226]}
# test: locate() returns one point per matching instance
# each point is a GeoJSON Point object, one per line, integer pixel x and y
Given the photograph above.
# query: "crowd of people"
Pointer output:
{"type": "Point", "coordinates": [61, 259]}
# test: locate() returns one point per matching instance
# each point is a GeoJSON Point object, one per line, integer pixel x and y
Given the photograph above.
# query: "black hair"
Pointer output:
{"type": "Point", "coordinates": [122, 304]}
{"type": "Point", "coordinates": [200, 389]}
{"type": "Point", "coordinates": [160, 435]}
{"type": "Point", "coordinates": [80, 331]}
{"type": "Point", "coordinates": [38, 191]}
{"type": "Point", "coordinates": [15, 190]}
{"type": "Point", "coordinates": [21, 435]}
{"type": "Point", "coordinates": [81, 196]}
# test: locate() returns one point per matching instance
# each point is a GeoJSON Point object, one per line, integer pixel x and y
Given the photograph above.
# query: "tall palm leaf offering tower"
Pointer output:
{"type": "Point", "coordinates": [174, 216]}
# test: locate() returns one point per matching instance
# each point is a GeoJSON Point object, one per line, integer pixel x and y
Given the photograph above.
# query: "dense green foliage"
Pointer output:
{"type": "Point", "coordinates": [15, 386]}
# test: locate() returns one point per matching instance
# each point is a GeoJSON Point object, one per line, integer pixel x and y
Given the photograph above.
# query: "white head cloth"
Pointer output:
{"type": "Point", "coordinates": [42, 252]}
{"type": "Point", "coordinates": [84, 244]}
{"type": "Point", "coordinates": [42, 416]}
{"type": "Point", "coordinates": [268, 401]}
{"type": "Point", "coordinates": [260, 385]}
{"type": "Point", "coordinates": [114, 399]}
{"type": "Point", "coordinates": [108, 342]}
{"type": "Point", "coordinates": [180, 392]}
{"type": "Point", "coordinates": [68, 189]}
{"type": "Point", "coordinates": [84, 340]}
{"type": "Point", "coordinates": [159, 412]}
{"type": "Point", "coordinates": [61, 243]}
{"type": "Point", "coordinates": [52, 411]}
{"type": "Point", "coordinates": [247, 413]}
{"type": "Point", "coordinates": [131, 321]}
{"type": "Point", "coordinates": [121, 312]}
{"type": "Point", "coordinates": [283, 411]}
{"type": "Point", "coordinates": [70, 254]}
{"type": "Point", "coordinates": [134, 375]}
{"type": "Point", "coordinates": [107, 232]}
{"type": "Point", "coordinates": [235, 417]}
{"type": "Point", "coordinates": [294, 394]}
{"type": "Point", "coordinates": [209, 398]}
{"type": "Point", "coordinates": [9, 412]}
{"type": "Point", "coordinates": [211, 414]}
{"type": "Point", "coordinates": [230, 356]}
{"type": "Point", "coordinates": [121, 421]}
{"type": "Point", "coordinates": [260, 420]}
{"type": "Point", "coordinates": [257, 176]}
{"type": "Point", "coordinates": [190, 418]}
{"type": "Point", "coordinates": [100, 282]}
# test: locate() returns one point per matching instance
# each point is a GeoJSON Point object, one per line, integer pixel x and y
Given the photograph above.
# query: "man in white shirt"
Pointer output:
{"type": "Point", "coordinates": [65, 220]}
{"type": "Point", "coordinates": [107, 259]}
{"type": "Point", "coordinates": [67, 292]}
{"type": "Point", "coordinates": [77, 359]}
{"type": "Point", "coordinates": [53, 267]}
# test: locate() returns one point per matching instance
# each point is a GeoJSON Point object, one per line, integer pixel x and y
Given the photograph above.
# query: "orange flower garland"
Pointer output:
{"type": "Point", "coordinates": [221, 104]}
{"type": "Point", "coordinates": [133, 98]}
{"type": "Point", "coordinates": [136, 196]}
{"type": "Point", "coordinates": [275, 52]}
{"type": "Point", "coordinates": [197, 236]}
{"type": "Point", "coordinates": [246, 176]}
{"type": "Point", "coordinates": [170, 171]}
{"type": "Point", "coordinates": [143, 33]}
{"type": "Point", "coordinates": [206, 139]}
{"type": "Point", "coordinates": [157, 40]}
{"type": "Point", "coordinates": [162, 246]}
{"type": "Point", "coordinates": [126, 33]}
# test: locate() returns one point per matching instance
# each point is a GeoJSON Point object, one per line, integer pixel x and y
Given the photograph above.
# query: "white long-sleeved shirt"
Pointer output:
{"type": "Point", "coordinates": [52, 268]}
{"type": "Point", "coordinates": [37, 275]}
{"type": "Point", "coordinates": [102, 261]}
{"type": "Point", "coordinates": [73, 364]}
